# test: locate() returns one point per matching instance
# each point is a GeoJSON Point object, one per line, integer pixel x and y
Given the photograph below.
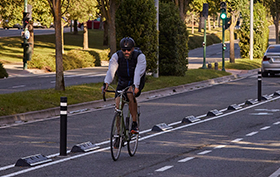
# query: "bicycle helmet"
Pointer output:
{"type": "Point", "coordinates": [127, 43]}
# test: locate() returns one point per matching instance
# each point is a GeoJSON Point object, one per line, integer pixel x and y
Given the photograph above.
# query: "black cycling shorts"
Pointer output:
{"type": "Point", "coordinates": [123, 83]}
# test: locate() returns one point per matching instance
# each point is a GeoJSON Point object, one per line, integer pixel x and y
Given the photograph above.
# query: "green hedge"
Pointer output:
{"type": "Point", "coordinates": [173, 41]}
{"type": "Point", "coordinates": [137, 19]}
{"type": "Point", "coordinates": [71, 60]}
{"type": "Point", "coordinates": [261, 32]}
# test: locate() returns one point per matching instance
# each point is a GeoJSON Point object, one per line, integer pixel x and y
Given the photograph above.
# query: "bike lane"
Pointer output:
{"type": "Point", "coordinates": [27, 141]}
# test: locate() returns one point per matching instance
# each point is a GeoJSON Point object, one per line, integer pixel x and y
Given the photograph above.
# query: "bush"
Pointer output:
{"type": "Point", "coordinates": [261, 32]}
{"type": "Point", "coordinates": [196, 41]}
{"type": "Point", "coordinates": [173, 40]}
{"type": "Point", "coordinates": [71, 60]}
{"type": "Point", "coordinates": [3, 72]}
{"type": "Point", "coordinates": [40, 61]}
{"type": "Point", "coordinates": [137, 19]}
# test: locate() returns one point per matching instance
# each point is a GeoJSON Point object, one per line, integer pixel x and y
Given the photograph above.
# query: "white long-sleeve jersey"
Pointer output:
{"type": "Point", "coordinates": [138, 73]}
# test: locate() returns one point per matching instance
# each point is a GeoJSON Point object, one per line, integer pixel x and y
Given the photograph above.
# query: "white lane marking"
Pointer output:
{"type": "Point", "coordinates": [164, 168]}
{"type": "Point", "coordinates": [18, 86]}
{"type": "Point", "coordinates": [186, 159]}
{"type": "Point", "coordinates": [204, 152]}
{"type": "Point", "coordinates": [261, 114]}
{"type": "Point", "coordinates": [277, 123]}
{"type": "Point", "coordinates": [54, 162]}
{"type": "Point", "coordinates": [276, 173]}
{"type": "Point", "coordinates": [6, 167]}
{"type": "Point", "coordinates": [237, 140]}
{"type": "Point", "coordinates": [252, 133]}
{"type": "Point", "coordinates": [265, 128]}
{"type": "Point", "coordinates": [150, 136]}
{"type": "Point", "coordinates": [52, 82]}
{"type": "Point", "coordinates": [220, 147]}
{"type": "Point", "coordinates": [269, 110]}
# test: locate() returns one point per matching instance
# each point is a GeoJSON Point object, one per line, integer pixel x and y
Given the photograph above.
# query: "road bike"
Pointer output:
{"type": "Point", "coordinates": [121, 127]}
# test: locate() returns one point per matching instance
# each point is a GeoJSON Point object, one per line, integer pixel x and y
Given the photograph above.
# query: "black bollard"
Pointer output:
{"type": "Point", "coordinates": [259, 86]}
{"type": "Point", "coordinates": [216, 65]}
{"type": "Point", "coordinates": [63, 126]}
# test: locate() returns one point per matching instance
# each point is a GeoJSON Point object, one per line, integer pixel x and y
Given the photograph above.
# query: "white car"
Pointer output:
{"type": "Point", "coordinates": [271, 61]}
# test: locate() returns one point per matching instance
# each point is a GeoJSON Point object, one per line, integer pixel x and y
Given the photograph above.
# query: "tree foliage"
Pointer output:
{"type": "Point", "coordinates": [261, 32]}
{"type": "Point", "coordinates": [12, 11]}
{"type": "Point", "coordinates": [173, 40]}
{"type": "Point", "coordinates": [137, 19]}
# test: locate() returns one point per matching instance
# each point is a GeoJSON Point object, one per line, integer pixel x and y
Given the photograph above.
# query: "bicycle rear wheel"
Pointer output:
{"type": "Point", "coordinates": [132, 144]}
{"type": "Point", "coordinates": [116, 137]}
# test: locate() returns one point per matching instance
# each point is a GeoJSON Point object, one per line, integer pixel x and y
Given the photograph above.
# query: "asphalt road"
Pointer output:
{"type": "Point", "coordinates": [14, 32]}
{"type": "Point", "coordinates": [244, 142]}
{"type": "Point", "coordinates": [47, 80]}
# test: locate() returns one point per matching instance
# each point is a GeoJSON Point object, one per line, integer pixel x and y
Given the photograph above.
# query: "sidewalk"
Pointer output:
{"type": "Point", "coordinates": [16, 69]}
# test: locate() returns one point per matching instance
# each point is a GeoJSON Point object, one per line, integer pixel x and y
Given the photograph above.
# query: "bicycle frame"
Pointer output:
{"type": "Point", "coordinates": [121, 127]}
{"type": "Point", "coordinates": [124, 127]}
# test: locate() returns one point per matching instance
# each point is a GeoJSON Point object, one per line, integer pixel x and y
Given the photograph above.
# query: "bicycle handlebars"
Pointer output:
{"type": "Point", "coordinates": [125, 90]}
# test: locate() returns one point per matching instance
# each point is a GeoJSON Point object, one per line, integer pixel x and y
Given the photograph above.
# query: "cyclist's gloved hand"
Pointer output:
{"type": "Point", "coordinates": [135, 89]}
{"type": "Point", "coordinates": [104, 87]}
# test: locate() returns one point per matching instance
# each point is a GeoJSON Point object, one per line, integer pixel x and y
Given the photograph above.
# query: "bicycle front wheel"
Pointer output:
{"type": "Point", "coordinates": [116, 137]}
{"type": "Point", "coordinates": [132, 144]}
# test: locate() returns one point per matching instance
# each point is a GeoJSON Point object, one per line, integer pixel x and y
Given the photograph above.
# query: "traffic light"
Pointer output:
{"type": "Point", "coordinates": [224, 46]}
{"type": "Point", "coordinates": [223, 8]}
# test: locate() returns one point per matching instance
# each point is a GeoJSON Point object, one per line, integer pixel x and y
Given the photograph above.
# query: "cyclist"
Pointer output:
{"type": "Point", "coordinates": [130, 65]}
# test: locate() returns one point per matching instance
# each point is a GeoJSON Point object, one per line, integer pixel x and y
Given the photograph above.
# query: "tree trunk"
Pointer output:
{"type": "Point", "coordinates": [105, 34]}
{"type": "Point", "coordinates": [214, 22]}
{"type": "Point", "coordinates": [31, 38]}
{"type": "Point", "coordinates": [112, 28]}
{"type": "Point", "coordinates": [181, 8]}
{"type": "Point", "coordinates": [75, 27]}
{"type": "Point", "coordinates": [192, 23]}
{"type": "Point", "coordinates": [209, 23]}
{"type": "Point", "coordinates": [201, 22]}
{"type": "Point", "coordinates": [62, 38]}
{"type": "Point", "coordinates": [231, 39]}
{"type": "Point", "coordinates": [276, 23]}
{"type": "Point", "coordinates": [59, 84]}
{"type": "Point", "coordinates": [85, 43]}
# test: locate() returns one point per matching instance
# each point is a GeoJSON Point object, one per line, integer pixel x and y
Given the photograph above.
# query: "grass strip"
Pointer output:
{"type": "Point", "coordinates": [32, 100]}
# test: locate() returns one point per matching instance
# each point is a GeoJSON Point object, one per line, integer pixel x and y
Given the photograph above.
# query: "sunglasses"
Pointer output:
{"type": "Point", "coordinates": [126, 50]}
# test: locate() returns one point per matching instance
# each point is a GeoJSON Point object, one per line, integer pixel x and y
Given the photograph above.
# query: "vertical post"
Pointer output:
{"type": "Point", "coordinates": [223, 51]}
{"type": "Point", "coordinates": [156, 73]}
{"type": "Point", "coordinates": [204, 45]}
{"type": "Point", "coordinates": [63, 126]}
{"type": "Point", "coordinates": [259, 85]}
{"type": "Point", "coordinates": [205, 16]}
{"type": "Point", "coordinates": [251, 29]}
{"type": "Point", "coordinates": [24, 39]}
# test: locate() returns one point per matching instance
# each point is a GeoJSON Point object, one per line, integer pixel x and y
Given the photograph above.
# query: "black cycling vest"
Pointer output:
{"type": "Point", "coordinates": [127, 66]}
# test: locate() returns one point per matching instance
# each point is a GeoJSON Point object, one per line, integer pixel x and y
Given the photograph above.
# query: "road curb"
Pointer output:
{"type": "Point", "coordinates": [82, 107]}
